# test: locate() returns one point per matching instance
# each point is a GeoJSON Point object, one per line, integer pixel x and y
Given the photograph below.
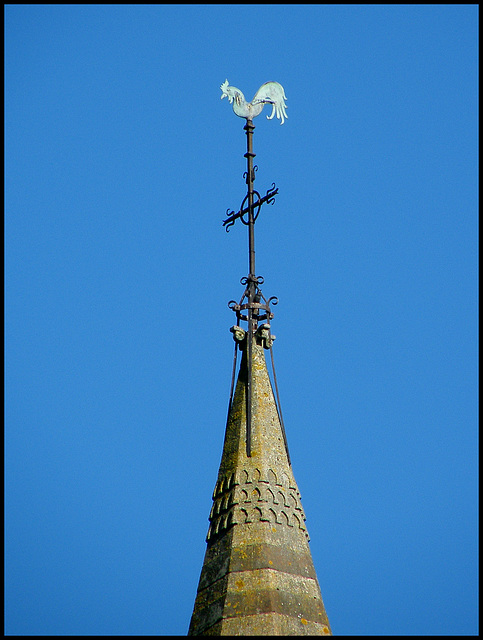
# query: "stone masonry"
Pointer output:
{"type": "Point", "coordinates": [258, 577]}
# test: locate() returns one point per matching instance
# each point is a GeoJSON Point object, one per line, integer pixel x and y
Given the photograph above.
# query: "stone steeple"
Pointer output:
{"type": "Point", "coordinates": [258, 577]}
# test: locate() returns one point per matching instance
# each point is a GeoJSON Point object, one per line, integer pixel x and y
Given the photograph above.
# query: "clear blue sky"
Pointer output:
{"type": "Point", "coordinates": [121, 161]}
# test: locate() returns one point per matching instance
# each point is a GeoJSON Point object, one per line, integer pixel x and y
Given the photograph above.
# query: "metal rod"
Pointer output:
{"type": "Point", "coordinates": [279, 408]}
{"type": "Point", "coordinates": [249, 128]}
{"type": "Point", "coordinates": [232, 382]}
{"type": "Point", "coordinates": [249, 390]}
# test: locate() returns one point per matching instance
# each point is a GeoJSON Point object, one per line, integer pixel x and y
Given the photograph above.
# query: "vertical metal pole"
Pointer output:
{"type": "Point", "coordinates": [249, 128]}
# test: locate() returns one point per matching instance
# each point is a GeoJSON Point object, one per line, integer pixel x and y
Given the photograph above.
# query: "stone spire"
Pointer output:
{"type": "Point", "coordinates": [258, 577]}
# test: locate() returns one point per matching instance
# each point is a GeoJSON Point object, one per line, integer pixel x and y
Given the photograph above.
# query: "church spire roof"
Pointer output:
{"type": "Point", "coordinates": [258, 576]}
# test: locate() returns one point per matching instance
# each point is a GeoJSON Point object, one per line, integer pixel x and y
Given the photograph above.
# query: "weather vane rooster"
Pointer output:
{"type": "Point", "coordinates": [270, 92]}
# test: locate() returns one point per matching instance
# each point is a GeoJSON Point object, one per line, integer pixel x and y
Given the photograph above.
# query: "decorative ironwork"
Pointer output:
{"type": "Point", "coordinates": [269, 198]}
{"type": "Point", "coordinates": [256, 306]}
{"type": "Point", "coordinates": [257, 303]}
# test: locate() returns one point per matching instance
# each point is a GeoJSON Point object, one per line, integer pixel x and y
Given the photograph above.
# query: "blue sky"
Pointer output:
{"type": "Point", "coordinates": [121, 161]}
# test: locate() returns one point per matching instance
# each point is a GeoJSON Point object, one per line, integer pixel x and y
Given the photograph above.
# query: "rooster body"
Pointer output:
{"type": "Point", "coordinates": [270, 92]}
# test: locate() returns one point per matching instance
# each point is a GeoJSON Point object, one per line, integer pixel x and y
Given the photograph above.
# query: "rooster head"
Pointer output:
{"type": "Point", "coordinates": [224, 91]}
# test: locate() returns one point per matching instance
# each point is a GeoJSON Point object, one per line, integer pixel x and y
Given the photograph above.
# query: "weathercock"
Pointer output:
{"type": "Point", "coordinates": [270, 92]}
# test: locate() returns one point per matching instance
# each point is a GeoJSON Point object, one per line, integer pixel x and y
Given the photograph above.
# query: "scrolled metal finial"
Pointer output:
{"type": "Point", "coordinates": [271, 193]}
{"type": "Point", "coordinates": [247, 176]}
{"type": "Point", "coordinates": [258, 280]}
{"type": "Point", "coordinates": [269, 93]}
{"type": "Point", "coordinates": [230, 221]}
